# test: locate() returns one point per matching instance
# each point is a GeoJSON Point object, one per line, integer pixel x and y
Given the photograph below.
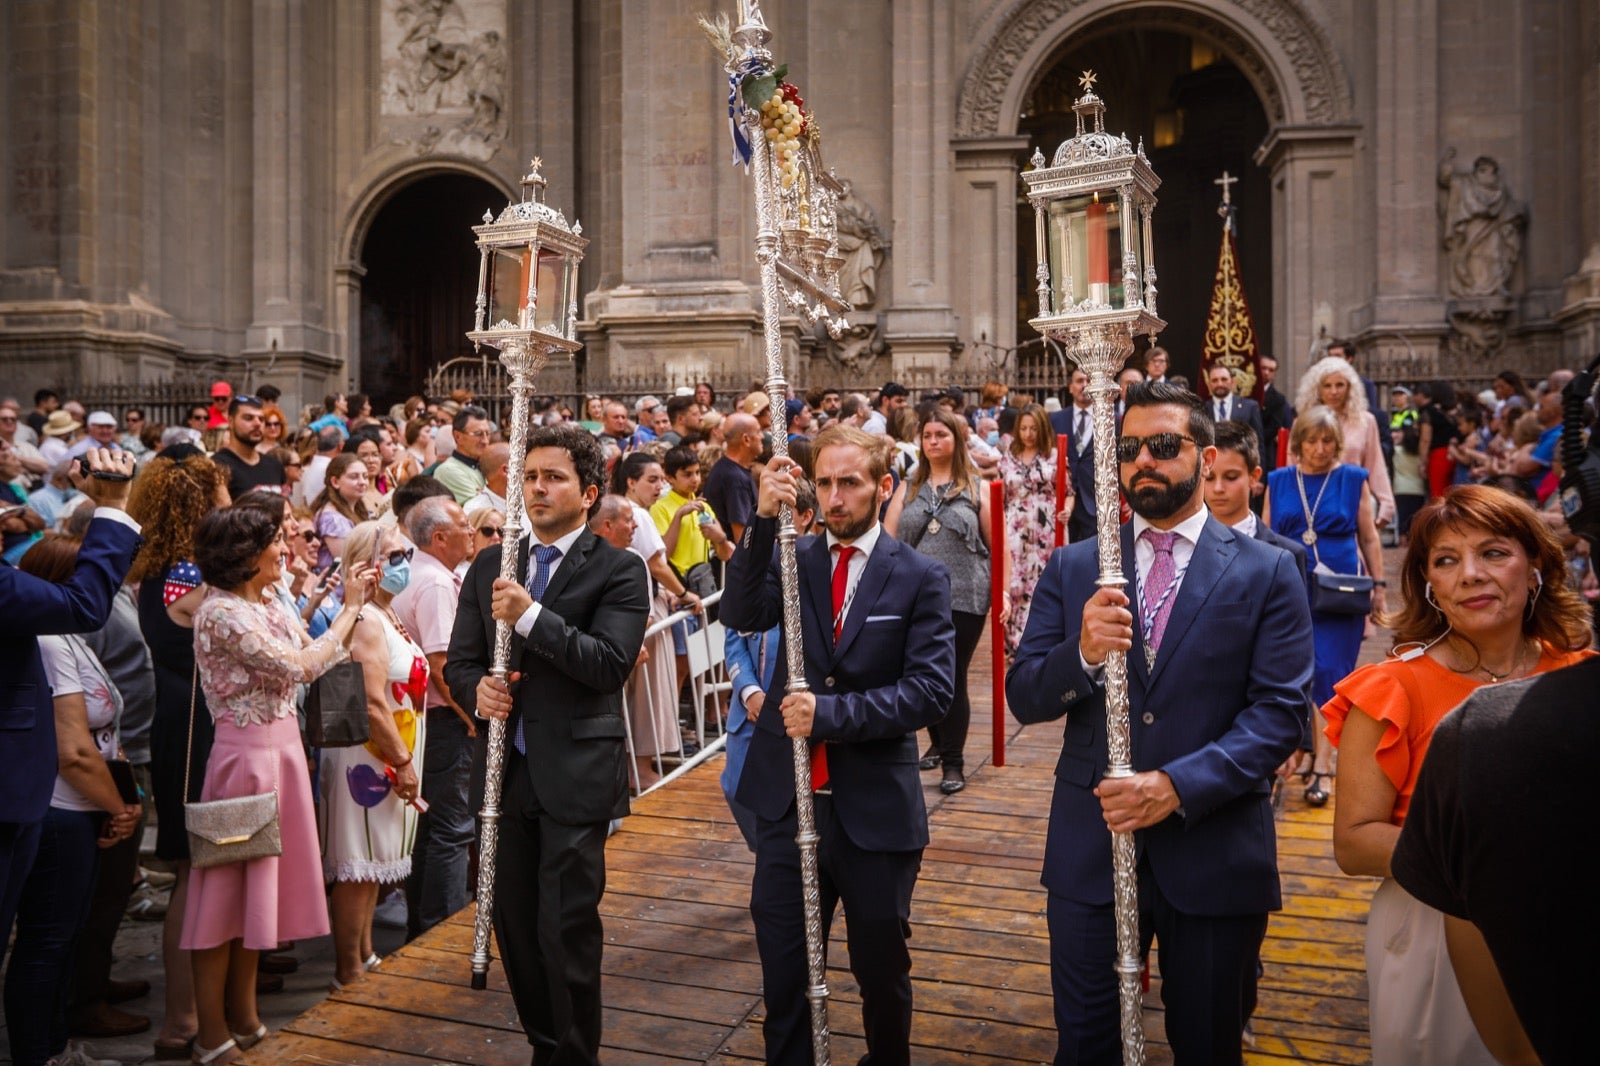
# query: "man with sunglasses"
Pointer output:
{"type": "Point", "coordinates": [247, 468]}
{"type": "Point", "coordinates": [134, 419]}
{"type": "Point", "coordinates": [1219, 657]}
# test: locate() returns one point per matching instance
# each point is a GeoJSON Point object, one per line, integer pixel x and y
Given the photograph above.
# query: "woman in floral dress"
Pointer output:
{"type": "Point", "coordinates": [1028, 471]}
{"type": "Point", "coordinates": [251, 651]}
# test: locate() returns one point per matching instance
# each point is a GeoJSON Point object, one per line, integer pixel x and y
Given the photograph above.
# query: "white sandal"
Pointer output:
{"type": "Point", "coordinates": [202, 1057]}
{"type": "Point", "coordinates": [246, 1041]}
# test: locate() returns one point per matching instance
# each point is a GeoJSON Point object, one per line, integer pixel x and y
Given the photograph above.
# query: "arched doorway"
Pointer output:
{"type": "Point", "coordinates": [420, 279]}
{"type": "Point", "coordinates": [1198, 115]}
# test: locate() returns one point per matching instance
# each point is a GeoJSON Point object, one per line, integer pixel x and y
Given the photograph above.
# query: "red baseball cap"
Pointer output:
{"type": "Point", "coordinates": [221, 388]}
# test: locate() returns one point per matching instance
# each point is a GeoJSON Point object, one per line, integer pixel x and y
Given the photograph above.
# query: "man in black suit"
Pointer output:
{"type": "Point", "coordinates": [1227, 406]}
{"type": "Point", "coordinates": [579, 617]}
{"type": "Point", "coordinates": [1276, 413]}
{"type": "Point", "coordinates": [880, 663]}
{"type": "Point", "coordinates": [1076, 423]}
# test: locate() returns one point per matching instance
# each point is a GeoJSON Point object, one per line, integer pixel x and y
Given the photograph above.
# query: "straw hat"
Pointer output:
{"type": "Point", "coordinates": [61, 423]}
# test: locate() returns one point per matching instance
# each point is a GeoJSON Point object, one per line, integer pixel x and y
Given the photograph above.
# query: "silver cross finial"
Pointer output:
{"type": "Point", "coordinates": [1226, 181]}
{"type": "Point", "coordinates": [1088, 80]}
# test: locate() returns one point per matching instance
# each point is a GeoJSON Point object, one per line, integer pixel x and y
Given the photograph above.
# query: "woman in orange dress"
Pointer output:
{"type": "Point", "coordinates": [1484, 601]}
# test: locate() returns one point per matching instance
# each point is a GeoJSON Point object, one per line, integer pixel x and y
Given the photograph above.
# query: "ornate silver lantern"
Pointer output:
{"type": "Point", "coordinates": [527, 309]}
{"type": "Point", "coordinates": [1097, 291]}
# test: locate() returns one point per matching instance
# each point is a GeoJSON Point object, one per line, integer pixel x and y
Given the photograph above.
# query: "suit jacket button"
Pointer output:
{"type": "Point", "coordinates": [828, 682]}
{"type": "Point", "coordinates": [1069, 695]}
{"type": "Point", "coordinates": [1147, 718]}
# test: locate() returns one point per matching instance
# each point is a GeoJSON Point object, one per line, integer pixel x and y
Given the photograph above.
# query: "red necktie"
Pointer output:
{"type": "Point", "coordinates": [841, 579]}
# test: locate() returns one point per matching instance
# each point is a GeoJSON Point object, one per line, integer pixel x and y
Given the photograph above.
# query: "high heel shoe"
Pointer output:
{"type": "Point", "coordinates": [930, 759]}
{"type": "Point", "coordinates": [1316, 793]}
{"type": "Point", "coordinates": [954, 781]}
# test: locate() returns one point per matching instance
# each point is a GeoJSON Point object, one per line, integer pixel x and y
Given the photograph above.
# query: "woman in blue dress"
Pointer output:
{"type": "Point", "coordinates": [1320, 501]}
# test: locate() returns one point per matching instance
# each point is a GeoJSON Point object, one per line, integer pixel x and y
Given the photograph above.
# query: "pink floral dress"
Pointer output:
{"type": "Point", "coordinates": [1030, 533]}
{"type": "Point", "coordinates": [251, 656]}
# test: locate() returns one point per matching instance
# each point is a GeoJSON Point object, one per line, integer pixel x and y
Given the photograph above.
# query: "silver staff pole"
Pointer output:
{"type": "Point", "coordinates": [528, 254]}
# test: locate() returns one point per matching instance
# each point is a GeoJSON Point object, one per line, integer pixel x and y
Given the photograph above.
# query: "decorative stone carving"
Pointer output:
{"type": "Point", "coordinates": [445, 75]}
{"type": "Point", "coordinates": [1482, 235]}
{"type": "Point", "coordinates": [1482, 227]}
{"type": "Point", "coordinates": [1318, 75]}
{"type": "Point", "coordinates": [854, 352]}
{"type": "Point", "coordinates": [862, 245]}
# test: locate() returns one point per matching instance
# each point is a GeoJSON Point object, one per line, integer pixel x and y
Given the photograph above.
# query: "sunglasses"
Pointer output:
{"type": "Point", "coordinates": [273, 422]}
{"type": "Point", "coordinates": [400, 555]}
{"type": "Point", "coordinates": [197, 418]}
{"type": "Point", "coordinates": [309, 535]}
{"type": "Point", "coordinates": [1163, 446]}
{"type": "Point", "coordinates": [491, 531]}
{"type": "Point", "coordinates": [249, 401]}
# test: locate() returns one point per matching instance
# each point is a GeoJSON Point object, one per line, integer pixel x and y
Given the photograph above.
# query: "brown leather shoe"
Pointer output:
{"type": "Point", "coordinates": [104, 1020]}
{"type": "Point", "coordinates": [118, 991]}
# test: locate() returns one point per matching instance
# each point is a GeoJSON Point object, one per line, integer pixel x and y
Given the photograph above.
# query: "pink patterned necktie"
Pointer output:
{"type": "Point", "coordinates": [1158, 593]}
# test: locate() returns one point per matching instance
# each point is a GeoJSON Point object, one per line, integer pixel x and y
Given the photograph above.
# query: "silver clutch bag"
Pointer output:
{"type": "Point", "coordinates": [233, 830]}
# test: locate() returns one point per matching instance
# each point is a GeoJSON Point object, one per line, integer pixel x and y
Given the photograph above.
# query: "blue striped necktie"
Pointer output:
{"type": "Point", "coordinates": [545, 556]}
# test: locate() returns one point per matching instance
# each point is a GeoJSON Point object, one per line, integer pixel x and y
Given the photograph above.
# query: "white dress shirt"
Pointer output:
{"type": "Point", "coordinates": [565, 542]}
{"type": "Point", "coordinates": [1223, 408]}
{"type": "Point", "coordinates": [1247, 524]}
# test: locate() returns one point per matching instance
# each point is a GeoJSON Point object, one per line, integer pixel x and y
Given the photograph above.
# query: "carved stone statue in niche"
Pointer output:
{"type": "Point", "coordinates": [1482, 228]}
{"type": "Point", "coordinates": [862, 246]}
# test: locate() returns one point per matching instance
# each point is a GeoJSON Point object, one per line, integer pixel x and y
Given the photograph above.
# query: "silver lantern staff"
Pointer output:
{"type": "Point", "coordinates": [1097, 291]}
{"type": "Point", "coordinates": [527, 310]}
{"type": "Point", "coordinates": [798, 251]}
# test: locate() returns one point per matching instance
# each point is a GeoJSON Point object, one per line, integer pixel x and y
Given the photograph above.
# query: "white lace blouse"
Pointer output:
{"type": "Point", "coordinates": [251, 656]}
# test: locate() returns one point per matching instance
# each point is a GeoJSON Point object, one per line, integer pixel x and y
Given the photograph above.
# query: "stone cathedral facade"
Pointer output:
{"type": "Point", "coordinates": [280, 190]}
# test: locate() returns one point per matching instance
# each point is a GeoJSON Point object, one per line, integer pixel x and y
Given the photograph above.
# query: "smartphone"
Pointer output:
{"type": "Point", "coordinates": [333, 568]}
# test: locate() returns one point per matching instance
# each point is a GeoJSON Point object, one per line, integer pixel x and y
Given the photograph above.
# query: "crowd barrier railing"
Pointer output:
{"type": "Point", "coordinates": [709, 688]}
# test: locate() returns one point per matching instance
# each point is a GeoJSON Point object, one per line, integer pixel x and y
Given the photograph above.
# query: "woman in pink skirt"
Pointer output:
{"type": "Point", "coordinates": [251, 653]}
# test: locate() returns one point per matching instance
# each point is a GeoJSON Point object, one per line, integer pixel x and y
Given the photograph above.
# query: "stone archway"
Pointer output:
{"type": "Point", "coordinates": [1286, 54]}
{"type": "Point", "coordinates": [367, 213]}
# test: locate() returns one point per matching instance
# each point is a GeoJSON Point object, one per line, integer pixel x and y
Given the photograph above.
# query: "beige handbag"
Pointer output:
{"type": "Point", "coordinates": [227, 830]}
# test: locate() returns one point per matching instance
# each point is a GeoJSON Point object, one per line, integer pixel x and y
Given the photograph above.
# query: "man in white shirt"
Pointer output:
{"type": "Point", "coordinates": [437, 887]}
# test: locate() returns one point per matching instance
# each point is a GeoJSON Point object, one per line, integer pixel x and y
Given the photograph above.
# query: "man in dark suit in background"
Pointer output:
{"type": "Point", "coordinates": [880, 663]}
{"type": "Point", "coordinates": [29, 609]}
{"type": "Point", "coordinates": [1218, 674]}
{"type": "Point", "coordinates": [579, 616]}
{"type": "Point", "coordinates": [1276, 413]}
{"type": "Point", "coordinates": [1076, 423]}
{"type": "Point", "coordinates": [1226, 405]}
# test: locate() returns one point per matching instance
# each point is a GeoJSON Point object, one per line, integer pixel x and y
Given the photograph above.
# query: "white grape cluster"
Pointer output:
{"type": "Point", "coordinates": [782, 121]}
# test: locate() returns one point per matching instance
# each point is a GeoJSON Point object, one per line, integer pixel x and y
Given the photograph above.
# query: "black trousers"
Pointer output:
{"type": "Point", "coordinates": [1081, 525]}
{"type": "Point", "coordinates": [549, 879]}
{"type": "Point", "coordinates": [1208, 978]}
{"type": "Point", "coordinates": [875, 887]}
{"type": "Point", "coordinates": [949, 734]}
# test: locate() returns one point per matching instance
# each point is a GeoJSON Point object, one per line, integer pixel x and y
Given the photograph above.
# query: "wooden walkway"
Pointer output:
{"type": "Point", "coordinates": [682, 982]}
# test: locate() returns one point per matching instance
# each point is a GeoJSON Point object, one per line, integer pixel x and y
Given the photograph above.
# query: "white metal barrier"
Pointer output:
{"type": "Point", "coordinates": [709, 684]}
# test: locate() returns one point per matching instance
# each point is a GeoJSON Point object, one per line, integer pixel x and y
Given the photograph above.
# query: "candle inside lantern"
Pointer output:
{"type": "Point", "coordinates": [522, 280]}
{"type": "Point", "coordinates": [1099, 253]}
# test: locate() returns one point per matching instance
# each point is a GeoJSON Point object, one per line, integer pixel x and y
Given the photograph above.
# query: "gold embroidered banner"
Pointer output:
{"type": "Point", "coordinates": [1230, 336]}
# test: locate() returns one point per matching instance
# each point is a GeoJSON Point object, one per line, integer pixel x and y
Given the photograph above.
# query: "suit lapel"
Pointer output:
{"type": "Point", "coordinates": [1212, 554]}
{"type": "Point", "coordinates": [569, 565]}
{"type": "Point", "coordinates": [873, 578]}
{"type": "Point", "coordinates": [816, 577]}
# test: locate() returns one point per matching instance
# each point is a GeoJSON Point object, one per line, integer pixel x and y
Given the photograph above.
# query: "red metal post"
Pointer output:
{"type": "Point", "coordinates": [997, 631]}
{"type": "Point", "coordinates": [1061, 487]}
{"type": "Point", "coordinates": [1283, 448]}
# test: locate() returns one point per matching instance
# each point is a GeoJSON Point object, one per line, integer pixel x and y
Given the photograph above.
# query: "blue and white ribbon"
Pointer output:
{"type": "Point", "coordinates": [736, 109]}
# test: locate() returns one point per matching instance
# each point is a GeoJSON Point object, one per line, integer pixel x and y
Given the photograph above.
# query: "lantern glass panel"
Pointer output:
{"type": "Point", "coordinates": [508, 288]}
{"type": "Point", "coordinates": [1086, 246]}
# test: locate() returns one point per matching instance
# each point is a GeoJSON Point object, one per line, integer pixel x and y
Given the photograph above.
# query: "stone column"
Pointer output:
{"type": "Point", "coordinates": [986, 179]}
{"type": "Point", "coordinates": [1314, 218]}
{"type": "Point", "coordinates": [1579, 316]}
{"type": "Point", "coordinates": [921, 320]}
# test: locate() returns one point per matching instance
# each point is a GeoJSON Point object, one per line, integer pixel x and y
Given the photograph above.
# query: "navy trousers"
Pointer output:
{"type": "Point", "coordinates": [1208, 978]}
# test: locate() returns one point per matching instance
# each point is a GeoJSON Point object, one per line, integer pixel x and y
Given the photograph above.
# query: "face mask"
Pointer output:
{"type": "Point", "coordinates": [396, 578]}
{"type": "Point", "coordinates": [993, 437]}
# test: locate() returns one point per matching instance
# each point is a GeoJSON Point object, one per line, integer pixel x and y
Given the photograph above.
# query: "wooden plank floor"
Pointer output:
{"type": "Point", "coordinates": [682, 982]}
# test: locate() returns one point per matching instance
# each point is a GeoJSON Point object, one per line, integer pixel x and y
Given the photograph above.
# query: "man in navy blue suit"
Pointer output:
{"type": "Point", "coordinates": [30, 608]}
{"type": "Point", "coordinates": [1076, 423]}
{"type": "Point", "coordinates": [1219, 670]}
{"type": "Point", "coordinates": [880, 663]}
